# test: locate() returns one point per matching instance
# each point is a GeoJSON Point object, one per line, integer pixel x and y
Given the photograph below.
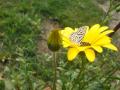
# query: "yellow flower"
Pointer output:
{"type": "Point", "coordinates": [95, 38]}
{"type": "Point", "coordinates": [54, 40]}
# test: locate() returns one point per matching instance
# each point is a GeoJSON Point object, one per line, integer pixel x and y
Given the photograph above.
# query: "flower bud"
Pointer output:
{"type": "Point", "coordinates": [54, 40]}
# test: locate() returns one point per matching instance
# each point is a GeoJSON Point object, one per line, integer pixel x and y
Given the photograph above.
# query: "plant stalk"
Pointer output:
{"type": "Point", "coordinates": [55, 70]}
{"type": "Point", "coordinates": [80, 76]}
{"type": "Point", "coordinates": [107, 15]}
{"type": "Point", "coordinates": [116, 28]}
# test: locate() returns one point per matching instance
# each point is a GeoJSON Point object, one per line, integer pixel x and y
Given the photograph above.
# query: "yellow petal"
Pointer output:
{"type": "Point", "coordinates": [65, 44]}
{"type": "Point", "coordinates": [87, 29]}
{"type": "Point", "coordinates": [72, 53]}
{"type": "Point", "coordinates": [76, 29]}
{"type": "Point", "coordinates": [82, 48]}
{"type": "Point", "coordinates": [107, 32]}
{"type": "Point", "coordinates": [98, 49]}
{"type": "Point", "coordinates": [95, 27]}
{"type": "Point", "coordinates": [69, 30]}
{"type": "Point", "coordinates": [66, 32]}
{"type": "Point", "coordinates": [91, 34]}
{"type": "Point", "coordinates": [103, 41]}
{"type": "Point", "coordinates": [91, 38]}
{"type": "Point", "coordinates": [111, 46]}
{"type": "Point", "coordinates": [103, 28]}
{"type": "Point", "coordinates": [90, 54]}
{"type": "Point", "coordinates": [102, 35]}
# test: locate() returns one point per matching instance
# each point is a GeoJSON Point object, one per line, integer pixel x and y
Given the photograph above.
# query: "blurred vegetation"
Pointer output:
{"type": "Point", "coordinates": [23, 68]}
{"type": "Point", "coordinates": [71, 13]}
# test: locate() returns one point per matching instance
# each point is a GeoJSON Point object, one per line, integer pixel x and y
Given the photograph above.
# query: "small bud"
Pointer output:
{"type": "Point", "coordinates": [54, 40]}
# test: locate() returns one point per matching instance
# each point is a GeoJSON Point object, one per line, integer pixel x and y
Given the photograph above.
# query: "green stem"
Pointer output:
{"type": "Point", "coordinates": [107, 15]}
{"type": "Point", "coordinates": [55, 70]}
{"type": "Point", "coordinates": [80, 76]}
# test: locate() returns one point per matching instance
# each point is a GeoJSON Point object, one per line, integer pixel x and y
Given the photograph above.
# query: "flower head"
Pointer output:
{"type": "Point", "coordinates": [54, 40]}
{"type": "Point", "coordinates": [88, 41]}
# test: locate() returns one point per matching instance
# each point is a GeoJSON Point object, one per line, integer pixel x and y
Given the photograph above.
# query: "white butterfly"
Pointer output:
{"type": "Point", "coordinates": [77, 36]}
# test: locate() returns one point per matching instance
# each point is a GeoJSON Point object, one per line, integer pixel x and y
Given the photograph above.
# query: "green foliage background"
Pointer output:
{"type": "Point", "coordinates": [23, 68]}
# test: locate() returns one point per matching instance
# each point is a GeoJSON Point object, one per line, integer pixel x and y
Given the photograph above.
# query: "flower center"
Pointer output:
{"type": "Point", "coordinates": [84, 44]}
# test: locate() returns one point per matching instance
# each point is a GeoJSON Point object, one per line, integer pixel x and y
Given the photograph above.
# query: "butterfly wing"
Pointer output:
{"type": "Point", "coordinates": [81, 33]}
{"type": "Point", "coordinates": [77, 37]}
